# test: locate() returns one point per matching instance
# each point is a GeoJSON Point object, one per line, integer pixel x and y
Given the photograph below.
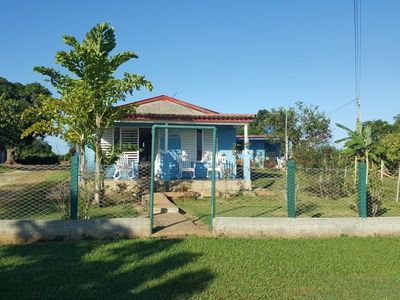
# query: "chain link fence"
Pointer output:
{"type": "Point", "coordinates": [43, 191]}
{"type": "Point", "coordinates": [34, 192]}
{"type": "Point", "coordinates": [261, 195]}
{"type": "Point", "coordinates": [124, 192]}
{"type": "Point", "coordinates": [383, 189]}
{"type": "Point", "coordinates": [326, 193]}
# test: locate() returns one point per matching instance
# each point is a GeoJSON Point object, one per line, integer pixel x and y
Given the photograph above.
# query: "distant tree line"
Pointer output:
{"type": "Point", "coordinates": [15, 99]}
{"type": "Point", "coordinates": [310, 136]}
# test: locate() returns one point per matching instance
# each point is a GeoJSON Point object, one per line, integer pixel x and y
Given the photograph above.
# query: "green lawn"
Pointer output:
{"type": "Point", "coordinates": [203, 268]}
{"type": "Point", "coordinates": [320, 193]}
{"type": "Point", "coordinates": [240, 206]}
{"type": "Point", "coordinates": [33, 194]}
{"type": "Point", "coordinates": [43, 194]}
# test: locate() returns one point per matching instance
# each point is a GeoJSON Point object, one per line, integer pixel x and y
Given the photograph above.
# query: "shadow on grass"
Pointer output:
{"type": "Point", "coordinates": [267, 212]}
{"type": "Point", "coordinates": [139, 269]}
{"type": "Point", "coordinates": [306, 208]}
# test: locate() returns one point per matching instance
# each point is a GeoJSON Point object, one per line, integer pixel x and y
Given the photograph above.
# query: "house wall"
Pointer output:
{"type": "Point", "coordinates": [261, 149]}
{"type": "Point", "coordinates": [273, 150]}
{"type": "Point", "coordinates": [3, 156]}
{"type": "Point", "coordinates": [226, 139]}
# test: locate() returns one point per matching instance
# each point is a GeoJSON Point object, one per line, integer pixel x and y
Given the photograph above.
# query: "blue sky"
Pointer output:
{"type": "Point", "coordinates": [229, 56]}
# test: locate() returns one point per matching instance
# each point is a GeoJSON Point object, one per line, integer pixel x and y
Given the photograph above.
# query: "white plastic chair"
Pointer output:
{"type": "Point", "coordinates": [186, 165]}
{"type": "Point", "coordinates": [122, 165]}
{"type": "Point", "coordinates": [220, 161]}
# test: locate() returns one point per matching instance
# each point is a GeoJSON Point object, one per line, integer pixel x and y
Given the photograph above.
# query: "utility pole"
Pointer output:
{"type": "Point", "coordinates": [358, 108]}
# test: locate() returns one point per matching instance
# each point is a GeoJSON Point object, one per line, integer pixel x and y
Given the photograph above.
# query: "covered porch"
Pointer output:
{"type": "Point", "coordinates": [180, 154]}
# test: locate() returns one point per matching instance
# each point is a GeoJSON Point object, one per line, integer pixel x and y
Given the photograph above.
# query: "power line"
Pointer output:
{"type": "Point", "coordinates": [341, 106]}
{"type": "Point", "coordinates": [357, 56]}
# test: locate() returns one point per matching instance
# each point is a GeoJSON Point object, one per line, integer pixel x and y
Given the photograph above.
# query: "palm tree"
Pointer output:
{"type": "Point", "coordinates": [358, 144]}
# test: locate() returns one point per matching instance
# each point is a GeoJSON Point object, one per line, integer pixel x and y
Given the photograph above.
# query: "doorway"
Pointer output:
{"type": "Point", "coordinates": [145, 144]}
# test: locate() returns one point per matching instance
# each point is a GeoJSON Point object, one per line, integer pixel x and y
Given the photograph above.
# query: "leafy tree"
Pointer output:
{"type": "Point", "coordinates": [69, 117]}
{"type": "Point", "coordinates": [308, 128]}
{"type": "Point", "coordinates": [38, 152]}
{"type": "Point", "coordinates": [11, 126]}
{"type": "Point", "coordinates": [93, 69]}
{"type": "Point", "coordinates": [15, 98]}
{"type": "Point", "coordinates": [391, 143]}
{"type": "Point", "coordinates": [359, 144]}
{"type": "Point", "coordinates": [276, 119]}
{"type": "Point", "coordinates": [379, 128]}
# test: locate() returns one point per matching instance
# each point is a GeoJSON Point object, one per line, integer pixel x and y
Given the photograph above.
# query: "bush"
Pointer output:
{"type": "Point", "coordinates": [375, 193]}
{"type": "Point", "coordinates": [37, 153]}
{"type": "Point", "coordinates": [329, 184]}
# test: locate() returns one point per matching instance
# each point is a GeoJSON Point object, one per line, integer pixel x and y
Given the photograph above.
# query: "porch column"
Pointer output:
{"type": "Point", "coordinates": [166, 171]}
{"type": "Point", "coordinates": [246, 157]}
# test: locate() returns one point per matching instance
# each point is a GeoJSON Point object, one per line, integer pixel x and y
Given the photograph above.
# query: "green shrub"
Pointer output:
{"type": "Point", "coordinates": [329, 184]}
{"type": "Point", "coordinates": [37, 153]}
{"type": "Point", "coordinates": [375, 193]}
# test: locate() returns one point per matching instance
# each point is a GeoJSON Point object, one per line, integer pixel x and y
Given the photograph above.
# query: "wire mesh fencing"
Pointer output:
{"type": "Point", "coordinates": [262, 194]}
{"type": "Point", "coordinates": [383, 193]}
{"type": "Point", "coordinates": [120, 191]}
{"type": "Point", "coordinates": [34, 192]}
{"type": "Point", "coordinates": [326, 193]}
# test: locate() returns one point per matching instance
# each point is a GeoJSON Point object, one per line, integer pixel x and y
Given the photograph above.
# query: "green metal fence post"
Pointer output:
{"type": "Point", "coordinates": [214, 151]}
{"type": "Point", "coordinates": [74, 189]}
{"type": "Point", "coordinates": [291, 188]}
{"type": "Point", "coordinates": [362, 190]}
{"type": "Point", "coordinates": [152, 174]}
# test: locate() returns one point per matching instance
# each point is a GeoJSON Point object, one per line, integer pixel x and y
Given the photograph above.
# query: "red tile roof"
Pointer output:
{"type": "Point", "coordinates": [209, 116]}
{"type": "Point", "coordinates": [173, 100]}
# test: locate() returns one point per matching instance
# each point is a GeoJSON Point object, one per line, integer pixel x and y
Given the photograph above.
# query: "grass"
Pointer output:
{"type": "Point", "coordinates": [331, 198]}
{"type": "Point", "coordinates": [241, 206]}
{"type": "Point", "coordinates": [32, 194]}
{"type": "Point", "coordinates": [203, 268]}
{"type": "Point", "coordinates": [43, 194]}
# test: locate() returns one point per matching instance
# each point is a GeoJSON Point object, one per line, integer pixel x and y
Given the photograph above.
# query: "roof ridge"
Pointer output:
{"type": "Point", "coordinates": [173, 100]}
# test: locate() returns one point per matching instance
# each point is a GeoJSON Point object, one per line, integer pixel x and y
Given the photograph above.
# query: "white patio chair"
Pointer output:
{"type": "Point", "coordinates": [185, 165]}
{"type": "Point", "coordinates": [280, 162]}
{"type": "Point", "coordinates": [220, 161]}
{"type": "Point", "coordinates": [122, 165]}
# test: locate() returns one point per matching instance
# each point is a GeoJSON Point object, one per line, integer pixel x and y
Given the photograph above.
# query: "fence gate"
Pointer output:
{"type": "Point", "coordinates": [183, 172]}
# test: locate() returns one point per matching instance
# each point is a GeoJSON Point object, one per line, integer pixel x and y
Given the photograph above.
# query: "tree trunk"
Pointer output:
{"type": "Point", "coordinates": [355, 170]}
{"type": "Point", "coordinates": [82, 164]}
{"type": "Point", "coordinates": [10, 156]}
{"type": "Point", "coordinates": [99, 180]}
{"type": "Point", "coordinates": [398, 185]}
{"type": "Point", "coordinates": [367, 161]}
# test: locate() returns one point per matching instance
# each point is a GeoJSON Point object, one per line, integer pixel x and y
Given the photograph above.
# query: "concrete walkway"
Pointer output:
{"type": "Point", "coordinates": [163, 205]}
{"type": "Point", "coordinates": [176, 225]}
{"type": "Point", "coordinates": [169, 221]}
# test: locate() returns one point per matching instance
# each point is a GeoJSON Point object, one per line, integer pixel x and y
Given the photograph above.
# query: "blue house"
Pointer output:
{"type": "Point", "coordinates": [260, 149]}
{"type": "Point", "coordinates": [194, 146]}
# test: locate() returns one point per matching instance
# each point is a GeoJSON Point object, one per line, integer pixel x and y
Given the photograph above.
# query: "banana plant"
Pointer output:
{"type": "Point", "coordinates": [358, 144]}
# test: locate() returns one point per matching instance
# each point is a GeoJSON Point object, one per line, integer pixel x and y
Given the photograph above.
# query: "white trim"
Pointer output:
{"type": "Point", "coordinates": [166, 139]}
{"type": "Point", "coordinates": [246, 139]}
